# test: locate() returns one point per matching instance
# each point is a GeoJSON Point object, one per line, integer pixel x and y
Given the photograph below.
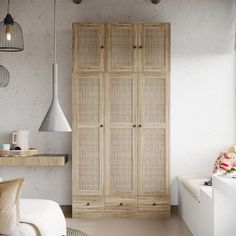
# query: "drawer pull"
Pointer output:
{"type": "Point", "coordinates": [121, 204]}
{"type": "Point", "coordinates": [154, 204]}
{"type": "Point", "coordinates": [134, 47]}
{"type": "Point", "coordinates": [88, 204]}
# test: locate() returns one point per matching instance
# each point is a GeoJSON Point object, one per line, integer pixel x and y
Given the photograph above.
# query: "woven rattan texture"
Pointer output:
{"type": "Point", "coordinates": [89, 47]}
{"type": "Point", "coordinates": [88, 159]}
{"type": "Point", "coordinates": [121, 100]}
{"type": "Point", "coordinates": [153, 159]}
{"type": "Point", "coordinates": [154, 105]}
{"type": "Point", "coordinates": [88, 111]}
{"type": "Point", "coordinates": [121, 47]}
{"type": "Point", "coordinates": [121, 159]}
{"type": "Point", "coordinates": [154, 47]}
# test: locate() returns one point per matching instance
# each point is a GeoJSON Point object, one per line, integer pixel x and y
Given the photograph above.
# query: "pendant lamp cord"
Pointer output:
{"type": "Point", "coordinates": [8, 7]}
{"type": "Point", "coordinates": [55, 39]}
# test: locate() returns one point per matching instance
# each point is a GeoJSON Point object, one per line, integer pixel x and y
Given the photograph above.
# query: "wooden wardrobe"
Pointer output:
{"type": "Point", "coordinates": [121, 120]}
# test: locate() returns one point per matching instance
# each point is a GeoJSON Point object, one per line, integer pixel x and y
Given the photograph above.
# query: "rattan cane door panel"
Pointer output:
{"type": "Point", "coordinates": [88, 134]}
{"type": "Point", "coordinates": [121, 163]}
{"type": "Point", "coordinates": [155, 47]}
{"type": "Point", "coordinates": [89, 46]}
{"type": "Point", "coordinates": [121, 47]}
{"type": "Point", "coordinates": [89, 96]}
{"type": "Point", "coordinates": [153, 134]}
{"type": "Point", "coordinates": [89, 158]}
{"type": "Point", "coordinates": [122, 98]}
{"type": "Point", "coordinates": [153, 102]}
{"type": "Point", "coordinates": [121, 133]}
{"type": "Point", "coordinates": [152, 163]}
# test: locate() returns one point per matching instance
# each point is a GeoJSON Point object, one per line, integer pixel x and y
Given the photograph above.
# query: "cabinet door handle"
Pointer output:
{"type": "Point", "coordinates": [102, 47]}
{"type": "Point", "coordinates": [154, 204]}
{"type": "Point", "coordinates": [101, 126]}
{"type": "Point", "coordinates": [141, 46]}
{"type": "Point", "coordinates": [139, 126]}
{"type": "Point", "coordinates": [134, 126]}
{"type": "Point", "coordinates": [88, 204]}
{"type": "Point", "coordinates": [121, 204]}
{"type": "Point", "coordinates": [134, 46]}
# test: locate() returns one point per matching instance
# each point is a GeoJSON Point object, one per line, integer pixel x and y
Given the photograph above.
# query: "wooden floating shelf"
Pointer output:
{"type": "Point", "coordinates": [38, 160]}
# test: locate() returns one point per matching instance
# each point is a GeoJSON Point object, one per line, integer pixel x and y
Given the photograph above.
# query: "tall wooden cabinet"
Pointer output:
{"type": "Point", "coordinates": [121, 120]}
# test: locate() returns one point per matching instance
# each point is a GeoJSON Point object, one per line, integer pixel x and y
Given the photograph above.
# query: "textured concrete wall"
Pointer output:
{"type": "Point", "coordinates": [202, 81]}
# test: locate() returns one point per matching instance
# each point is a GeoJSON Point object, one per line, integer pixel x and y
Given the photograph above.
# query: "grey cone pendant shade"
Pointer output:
{"type": "Point", "coordinates": [55, 120]}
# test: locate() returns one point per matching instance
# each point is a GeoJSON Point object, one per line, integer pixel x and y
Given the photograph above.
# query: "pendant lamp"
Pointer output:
{"type": "Point", "coordinates": [55, 120]}
{"type": "Point", "coordinates": [4, 77]}
{"type": "Point", "coordinates": [11, 36]}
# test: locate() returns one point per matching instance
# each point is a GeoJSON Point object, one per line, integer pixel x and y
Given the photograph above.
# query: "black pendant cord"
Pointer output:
{"type": "Point", "coordinates": [8, 20]}
{"type": "Point", "coordinates": [8, 7]}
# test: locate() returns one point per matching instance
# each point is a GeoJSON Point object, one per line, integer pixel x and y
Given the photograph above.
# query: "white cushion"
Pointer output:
{"type": "Point", "coordinates": [193, 185]}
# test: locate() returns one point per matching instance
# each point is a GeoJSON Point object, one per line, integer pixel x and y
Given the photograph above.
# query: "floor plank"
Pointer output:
{"type": "Point", "coordinates": [131, 227]}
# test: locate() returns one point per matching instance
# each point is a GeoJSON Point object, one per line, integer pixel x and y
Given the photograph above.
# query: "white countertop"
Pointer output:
{"type": "Point", "coordinates": [225, 185]}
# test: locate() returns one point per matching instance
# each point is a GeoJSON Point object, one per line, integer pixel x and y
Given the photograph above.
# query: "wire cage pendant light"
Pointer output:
{"type": "Point", "coordinates": [11, 35]}
{"type": "Point", "coordinates": [55, 120]}
{"type": "Point", "coordinates": [4, 77]}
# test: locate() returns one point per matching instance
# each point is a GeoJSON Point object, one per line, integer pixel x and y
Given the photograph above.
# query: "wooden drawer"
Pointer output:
{"type": "Point", "coordinates": [156, 204]}
{"type": "Point", "coordinates": [121, 204]}
{"type": "Point", "coordinates": [88, 203]}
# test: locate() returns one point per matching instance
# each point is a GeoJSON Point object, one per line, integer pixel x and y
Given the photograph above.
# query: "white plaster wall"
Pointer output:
{"type": "Point", "coordinates": [202, 81]}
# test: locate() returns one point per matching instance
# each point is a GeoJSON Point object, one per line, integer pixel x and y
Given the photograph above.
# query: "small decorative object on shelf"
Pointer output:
{"type": "Point", "coordinates": [18, 152]}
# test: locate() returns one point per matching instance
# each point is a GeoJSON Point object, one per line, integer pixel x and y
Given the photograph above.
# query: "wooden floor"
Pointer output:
{"type": "Point", "coordinates": [131, 227]}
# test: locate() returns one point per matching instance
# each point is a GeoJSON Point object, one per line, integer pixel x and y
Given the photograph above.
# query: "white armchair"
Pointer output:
{"type": "Point", "coordinates": [41, 217]}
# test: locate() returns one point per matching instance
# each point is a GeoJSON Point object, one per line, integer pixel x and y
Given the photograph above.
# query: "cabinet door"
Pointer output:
{"type": "Point", "coordinates": [121, 134]}
{"type": "Point", "coordinates": [154, 47]}
{"type": "Point", "coordinates": [122, 47]}
{"type": "Point", "coordinates": [153, 135]}
{"type": "Point", "coordinates": [88, 47]}
{"type": "Point", "coordinates": [88, 134]}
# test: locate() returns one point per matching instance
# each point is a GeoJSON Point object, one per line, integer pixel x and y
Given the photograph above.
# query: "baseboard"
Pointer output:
{"type": "Point", "coordinates": [67, 210]}
{"type": "Point", "coordinates": [174, 209]}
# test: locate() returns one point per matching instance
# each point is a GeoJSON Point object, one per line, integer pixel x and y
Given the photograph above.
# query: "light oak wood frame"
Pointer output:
{"type": "Point", "coordinates": [99, 125]}
{"type": "Point", "coordinates": [95, 49]}
{"type": "Point", "coordinates": [130, 125]}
